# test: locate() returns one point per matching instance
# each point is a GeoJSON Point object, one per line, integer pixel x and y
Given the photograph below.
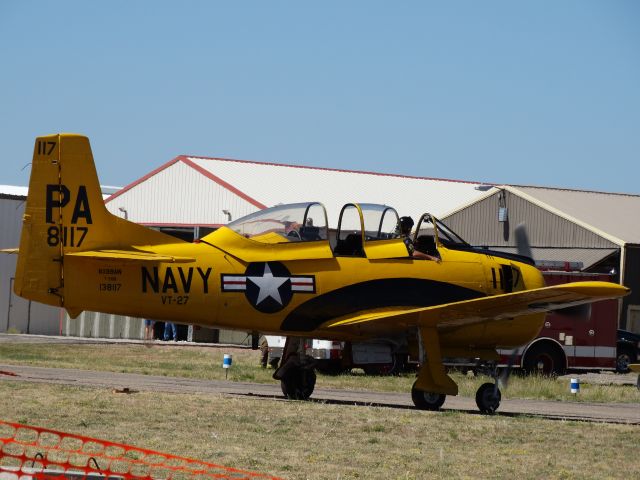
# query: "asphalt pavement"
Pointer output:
{"type": "Point", "coordinates": [628, 413]}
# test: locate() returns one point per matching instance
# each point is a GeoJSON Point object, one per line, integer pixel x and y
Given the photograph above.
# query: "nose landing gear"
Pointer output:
{"type": "Point", "coordinates": [488, 395]}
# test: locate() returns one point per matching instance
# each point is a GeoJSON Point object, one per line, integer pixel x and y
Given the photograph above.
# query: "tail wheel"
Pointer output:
{"type": "Point", "coordinates": [298, 383]}
{"type": "Point", "coordinates": [488, 398]}
{"type": "Point", "coordinates": [427, 400]}
{"type": "Point", "coordinates": [545, 359]}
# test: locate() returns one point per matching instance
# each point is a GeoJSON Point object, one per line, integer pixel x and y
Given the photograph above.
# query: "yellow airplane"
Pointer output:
{"type": "Point", "coordinates": [281, 270]}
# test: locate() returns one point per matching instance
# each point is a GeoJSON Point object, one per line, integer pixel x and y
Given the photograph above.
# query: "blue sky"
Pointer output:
{"type": "Point", "coordinates": [537, 93]}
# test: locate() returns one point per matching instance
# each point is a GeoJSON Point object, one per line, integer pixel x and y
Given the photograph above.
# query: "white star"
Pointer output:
{"type": "Point", "coordinates": [268, 285]}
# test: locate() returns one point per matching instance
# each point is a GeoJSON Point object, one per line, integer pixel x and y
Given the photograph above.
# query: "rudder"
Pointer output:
{"type": "Point", "coordinates": [65, 213]}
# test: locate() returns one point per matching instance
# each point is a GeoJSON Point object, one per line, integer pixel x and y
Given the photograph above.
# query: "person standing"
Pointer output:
{"type": "Point", "coordinates": [170, 331]}
{"type": "Point", "coordinates": [148, 328]}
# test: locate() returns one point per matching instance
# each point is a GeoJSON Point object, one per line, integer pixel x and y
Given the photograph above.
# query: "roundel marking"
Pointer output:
{"type": "Point", "coordinates": [268, 286]}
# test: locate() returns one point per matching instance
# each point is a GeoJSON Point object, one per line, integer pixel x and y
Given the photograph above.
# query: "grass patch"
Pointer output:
{"type": "Point", "coordinates": [310, 440]}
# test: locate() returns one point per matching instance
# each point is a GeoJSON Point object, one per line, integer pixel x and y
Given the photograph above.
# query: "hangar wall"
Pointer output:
{"type": "Point", "coordinates": [178, 195]}
{"type": "Point", "coordinates": [631, 303]}
{"type": "Point", "coordinates": [106, 325]}
{"type": "Point", "coordinates": [478, 224]}
{"type": "Point", "coordinates": [103, 325]}
{"type": "Point", "coordinates": [552, 237]}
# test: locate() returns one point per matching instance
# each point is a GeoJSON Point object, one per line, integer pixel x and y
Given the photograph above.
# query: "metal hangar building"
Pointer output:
{"type": "Point", "coordinates": [195, 193]}
{"type": "Point", "coordinates": [584, 230]}
{"type": "Point", "coordinates": [18, 314]}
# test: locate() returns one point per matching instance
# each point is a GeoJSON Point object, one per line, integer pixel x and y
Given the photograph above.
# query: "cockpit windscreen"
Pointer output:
{"type": "Point", "coordinates": [285, 223]}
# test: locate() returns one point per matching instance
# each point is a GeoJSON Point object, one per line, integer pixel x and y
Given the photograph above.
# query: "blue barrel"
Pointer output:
{"type": "Point", "coordinates": [575, 385]}
{"type": "Point", "coordinates": [226, 361]}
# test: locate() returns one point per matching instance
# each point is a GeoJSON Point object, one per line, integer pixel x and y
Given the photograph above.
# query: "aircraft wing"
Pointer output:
{"type": "Point", "coordinates": [486, 309]}
{"type": "Point", "coordinates": [130, 256]}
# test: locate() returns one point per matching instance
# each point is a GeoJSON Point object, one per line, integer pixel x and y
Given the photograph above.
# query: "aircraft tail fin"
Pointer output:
{"type": "Point", "coordinates": [65, 213]}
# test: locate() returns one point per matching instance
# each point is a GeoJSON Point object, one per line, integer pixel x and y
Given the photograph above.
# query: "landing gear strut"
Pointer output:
{"type": "Point", "coordinates": [488, 395]}
{"type": "Point", "coordinates": [296, 372]}
{"type": "Point", "coordinates": [433, 384]}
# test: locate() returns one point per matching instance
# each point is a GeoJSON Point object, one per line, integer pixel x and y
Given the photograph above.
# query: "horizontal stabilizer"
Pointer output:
{"type": "Point", "coordinates": [131, 256]}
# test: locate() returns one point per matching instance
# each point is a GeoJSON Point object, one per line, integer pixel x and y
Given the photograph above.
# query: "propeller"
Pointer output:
{"type": "Point", "coordinates": [524, 248]}
{"type": "Point", "coordinates": [579, 312]}
{"type": "Point", "coordinates": [503, 380]}
{"type": "Point", "coordinates": [522, 241]}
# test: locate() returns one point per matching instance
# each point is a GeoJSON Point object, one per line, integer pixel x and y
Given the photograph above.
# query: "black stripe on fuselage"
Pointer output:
{"type": "Point", "coordinates": [389, 292]}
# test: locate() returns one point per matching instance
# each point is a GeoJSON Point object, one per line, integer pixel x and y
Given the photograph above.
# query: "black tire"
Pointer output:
{"type": "Point", "coordinates": [544, 359]}
{"type": "Point", "coordinates": [488, 398]}
{"type": "Point", "coordinates": [427, 400]}
{"type": "Point", "coordinates": [623, 359]}
{"type": "Point", "coordinates": [298, 383]}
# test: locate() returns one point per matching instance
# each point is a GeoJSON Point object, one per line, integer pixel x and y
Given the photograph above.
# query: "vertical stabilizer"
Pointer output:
{"type": "Point", "coordinates": [63, 206]}
{"type": "Point", "coordinates": [65, 213]}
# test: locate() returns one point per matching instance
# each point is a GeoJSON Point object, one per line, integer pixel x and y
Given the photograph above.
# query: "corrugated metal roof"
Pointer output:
{"type": "Point", "coordinates": [13, 191]}
{"type": "Point", "coordinates": [178, 194]}
{"type": "Point", "coordinates": [611, 215]}
{"type": "Point", "coordinates": [195, 190]}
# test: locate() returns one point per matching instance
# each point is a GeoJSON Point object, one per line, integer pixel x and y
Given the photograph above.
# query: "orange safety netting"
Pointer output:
{"type": "Point", "coordinates": [29, 453]}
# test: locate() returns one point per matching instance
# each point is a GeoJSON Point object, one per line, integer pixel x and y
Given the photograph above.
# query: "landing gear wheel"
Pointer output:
{"type": "Point", "coordinates": [623, 360]}
{"type": "Point", "coordinates": [426, 400]}
{"type": "Point", "coordinates": [299, 383]}
{"type": "Point", "coordinates": [488, 398]}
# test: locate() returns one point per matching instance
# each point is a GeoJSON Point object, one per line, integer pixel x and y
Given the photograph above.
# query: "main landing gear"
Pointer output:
{"type": "Point", "coordinates": [426, 400]}
{"type": "Point", "coordinates": [488, 398]}
{"type": "Point", "coordinates": [296, 372]}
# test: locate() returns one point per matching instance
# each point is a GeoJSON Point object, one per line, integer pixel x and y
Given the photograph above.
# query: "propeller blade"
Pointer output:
{"type": "Point", "coordinates": [522, 241]}
{"type": "Point", "coordinates": [506, 373]}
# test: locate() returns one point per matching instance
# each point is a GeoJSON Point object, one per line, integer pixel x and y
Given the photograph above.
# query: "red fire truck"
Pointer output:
{"type": "Point", "coordinates": [584, 339]}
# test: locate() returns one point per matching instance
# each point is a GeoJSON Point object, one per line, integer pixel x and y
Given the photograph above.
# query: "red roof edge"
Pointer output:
{"type": "Point", "coordinates": [140, 180]}
{"type": "Point", "coordinates": [157, 224]}
{"type": "Point", "coordinates": [327, 169]}
{"type": "Point", "coordinates": [221, 182]}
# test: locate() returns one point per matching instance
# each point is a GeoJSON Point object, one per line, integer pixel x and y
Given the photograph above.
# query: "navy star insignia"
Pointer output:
{"type": "Point", "coordinates": [268, 286]}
